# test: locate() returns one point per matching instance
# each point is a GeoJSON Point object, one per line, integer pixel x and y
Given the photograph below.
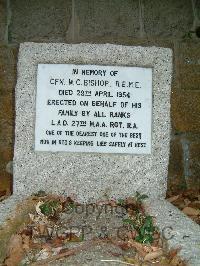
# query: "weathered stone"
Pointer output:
{"type": "Point", "coordinates": [189, 65]}
{"type": "Point", "coordinates": [7, 84]}
{"type": "Point", "coordinates": [6, 132]}
{"type": "Point", "coordinates": [6, 154]}
{"type": "Point", "coordinates": [103, 18]}
{"type": "Point", "coordinates": [5, 182]}
{"type": "Point", "coordinates": [194, 163]}
{"type": "Point", "coordinates": [7, 107]}
{"type": "Point", "coordinates": [185, 111]}
{"type": "Point", "coordinates": [178, 229]}
{"type": "Point", "coordinates": [172, 18]}
{"type": "Point", "coordinates": [129, 41]}
{"type": "Point", "coordinates": [6, 120]}
{"type": "Point", "coordinates": [9, 167]}
{"type": "Point", "coordinates": [37, 20]}
{"type": "Point", "coordinates": [197, 7]}
{"type": "Point", "coordinates": [175, 169]}
{"type": "Point", "coordinates": [7, 70]}
{"type": "Point", "coordinates": [146, 42]}
{"type": "Point", "coordinates": [3, 16]}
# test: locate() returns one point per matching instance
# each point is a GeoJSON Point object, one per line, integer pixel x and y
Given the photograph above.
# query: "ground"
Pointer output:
{"type": "Point", "coordinates": [57, 230]}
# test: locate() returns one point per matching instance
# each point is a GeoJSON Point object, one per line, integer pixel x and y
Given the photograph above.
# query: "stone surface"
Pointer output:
{"type": "Point", "coordinates": [172, 18]}
{"type": "Point", "coordinates": [93, 256]}
{"type": "Point", "coordinates": [6, 154]}
{"type": "Point", "coordinates": [91, 175]}
{"type": "Point", "coordinates": [93, 222]}
{"type": "Point", "coordinates": [3, 18]}
{"type": "Point", "coordinates": [186, 111]}
{"type": "Point", "coordinates": [197, 7]}
{"type": "Point", "coordinates": [7, 107]}
{"type": "Point", "coordinates": [7, 70]}
{"type": "Point", "coordinates": [177, 229]}
{"type": "Point", "coordinates": [7, 131]}
{"type": "Point", "coordinates": [37, 20]}
{"type": "Point", "coordinates": [147, 42]}
{"type": "Point", "coordinates": [102, 18]}
{"type": "Point", "coordinates": [194, 163]}
{"type": "Point", "coordinates": [189, 65]}
{"type": "Point", "coordinates": [5, 183]}
{"type": "Point", "coordinates": [9, 167]}
{"type": "Point", "coordinates": [176, 165]}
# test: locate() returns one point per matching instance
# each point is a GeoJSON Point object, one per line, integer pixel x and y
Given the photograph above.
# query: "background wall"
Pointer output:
{"type": "Point", "coordinates": [172, 23]}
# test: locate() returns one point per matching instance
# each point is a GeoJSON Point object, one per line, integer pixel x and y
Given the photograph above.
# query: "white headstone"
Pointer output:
{"type": "Point", "coordinates": [92, 120]}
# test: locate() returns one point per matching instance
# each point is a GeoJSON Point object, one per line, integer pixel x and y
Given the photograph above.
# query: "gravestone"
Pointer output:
{"type": "Point", "coordinates": [92, 120]}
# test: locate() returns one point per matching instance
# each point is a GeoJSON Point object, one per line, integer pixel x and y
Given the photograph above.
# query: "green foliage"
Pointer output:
{"type": "Point", "coordinates": [140, 197]}
{"type": "Point", "coordinates": [49, 208]}
{"type": "Point", "coordinates": [121, 202]}
{"type": "Point", "coordinates": [145, 233]}
{"type": "Point", "coordinates": [144, 227]}
{"type": "Point", "coordinates": [82, 237]}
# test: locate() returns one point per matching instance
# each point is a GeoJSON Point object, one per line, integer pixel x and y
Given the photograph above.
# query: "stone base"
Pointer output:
{"type": "Point", "coordinates": [176, 228]}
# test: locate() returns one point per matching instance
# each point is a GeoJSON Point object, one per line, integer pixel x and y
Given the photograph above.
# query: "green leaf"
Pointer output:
{"type": "Point", "coordinates": [139, 238]}
{"type": "Point", "coordinates": [137, 194]}
{"type": "Point", "coordinates": [130, 222]}
{"type": "Point", "coordinates": [48, 208]}
{"type": "Point", "coordinates": [121, 202]}
{"type": "Point", "coordinates": [140, 197]}
{"type": "Point", "coordinates": [82, 237]}
{"type": "Point", "coordinates": [147, 239]}
{"type": "Point", "coordinates": [143, 196]}
{"type": "Point", "coordinates": [148, 222]}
